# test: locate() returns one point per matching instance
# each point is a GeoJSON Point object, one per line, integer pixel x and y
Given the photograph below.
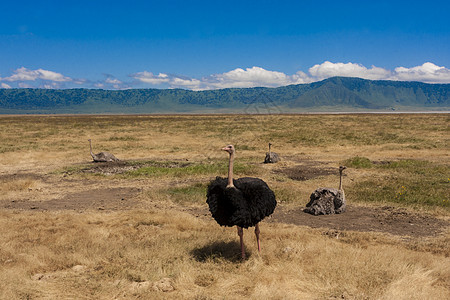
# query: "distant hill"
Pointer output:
{"type": "Point", "coordinates": [333, 94]}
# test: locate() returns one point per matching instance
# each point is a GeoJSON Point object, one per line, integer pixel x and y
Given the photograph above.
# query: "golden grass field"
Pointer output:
{"type": "Point", "coordinates": [140, 228]}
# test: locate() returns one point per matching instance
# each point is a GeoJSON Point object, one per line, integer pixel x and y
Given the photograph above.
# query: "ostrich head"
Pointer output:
{"type": "Point", "coordinates": [229, 149]}
{"type": "Point", "coordinates": [342, 168]}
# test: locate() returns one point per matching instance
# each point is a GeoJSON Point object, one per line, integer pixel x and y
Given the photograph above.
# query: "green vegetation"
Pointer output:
{"type": "Point", "coordinates": [358, 162]}
{"type": "Point", "coordinates": [288, 195]}
{"type": "Point", "coordinates": [338, 94]}
{"type": "Point", "coordinates": [195, 193]}
{"type": "Point", "coordinates": [409, 182]}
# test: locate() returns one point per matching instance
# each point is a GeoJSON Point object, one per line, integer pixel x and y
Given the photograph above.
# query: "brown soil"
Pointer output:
{"type": "Point", "coordinates": [305, 169]}
{"type": "Point", "coordinates": [100, 199]}
{"type": "Point", "coordinates": [387, 219]}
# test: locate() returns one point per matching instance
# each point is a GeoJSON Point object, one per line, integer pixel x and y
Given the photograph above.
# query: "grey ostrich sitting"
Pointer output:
{"type": "Point", "coordinates": [102, 156]}
{"type": "Point", "coordinates": [271, 157]}
{"type": "Point", "coordinates": [326, 201]}
{"type": "Point", "coordinates": [242, 202]}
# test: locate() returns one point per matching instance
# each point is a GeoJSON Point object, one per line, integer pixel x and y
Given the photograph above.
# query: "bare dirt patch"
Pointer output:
{"type": "Point", "coordinates": [387, 219]}
{"type": "Point", "coordinates": [110, 168]}
{"type": "Point", "coordinates": [99, 199]}
{"type": "Point", "coordinates": [302, 173]}
{"type": "Point", "coordinates": [304, 169]}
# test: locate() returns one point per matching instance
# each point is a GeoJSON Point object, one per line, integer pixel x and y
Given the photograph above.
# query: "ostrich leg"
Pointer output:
{"type": "Point", "coordinates": [257, 236]}
{"type": "Point", "coordinates": [241, 237]}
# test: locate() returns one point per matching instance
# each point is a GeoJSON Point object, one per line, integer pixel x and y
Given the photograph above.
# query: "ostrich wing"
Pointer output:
{"type": "Point", "coordinates": [104, 157]}
{"type": "Point", "coordinates": [244, 205]}
{"type": "Point", "coordinates": [260, 199]}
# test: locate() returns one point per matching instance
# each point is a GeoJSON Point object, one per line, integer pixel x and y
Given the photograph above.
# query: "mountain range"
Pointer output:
{"type": "Point", "coordinates": [333, 94]}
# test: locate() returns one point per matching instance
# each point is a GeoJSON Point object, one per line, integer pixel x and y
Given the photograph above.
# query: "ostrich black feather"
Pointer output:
{"type": "Point", "coordinates": [244, 205]}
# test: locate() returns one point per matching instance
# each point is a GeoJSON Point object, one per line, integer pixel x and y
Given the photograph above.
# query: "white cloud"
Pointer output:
{"type": "Point", "coordinates": [259, 77]}
{"type": "Point", "coordinates": [24, 74]}
{"type": "Point", "coordinates": [52, 76]}
{"type": "Point", "coordinates": [236, 78]}
{"type": "Point", "coordinates": [189, 83]}
{"type": "Point", "coordinates": [329, 69]}
{"type": "Point", "coordinates": [428, 72]}
{"type": "Point", "coordinates": [25, 85]}
{"type": "Point", "coordinates": [113, 81]}
{"type": "Point", "coordinates": [249, 77]}
{"type": "Point", "coordinates": [80, 81]}
{"type": "Point", "coordinates": [149, 77]}
{"type": "Point", "coordinates": [252, 77]}
{"type": "Point", "coordinates": [301, 77]}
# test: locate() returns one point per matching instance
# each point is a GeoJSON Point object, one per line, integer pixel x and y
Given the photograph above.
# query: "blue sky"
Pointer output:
{"type": "Point", "coordinates": [218, 44]}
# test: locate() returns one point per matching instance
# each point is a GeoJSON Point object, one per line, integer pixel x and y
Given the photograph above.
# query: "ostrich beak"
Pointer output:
{"type": "Point", "coordinates": [228, 148]}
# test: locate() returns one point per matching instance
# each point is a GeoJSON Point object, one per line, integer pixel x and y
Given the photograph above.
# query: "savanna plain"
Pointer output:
{"type": "Point", "coordinates": [140, 228]}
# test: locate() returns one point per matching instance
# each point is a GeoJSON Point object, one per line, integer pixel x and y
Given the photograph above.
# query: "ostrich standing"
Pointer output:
{"type": "Point", "coordinates": [271, 157]}
{"type": "Point", "coordinates": [242, 202]}
{"type": "Point", "coordinates": [325, 201]}
{"type": "Point", "coordinates": [102, 156]}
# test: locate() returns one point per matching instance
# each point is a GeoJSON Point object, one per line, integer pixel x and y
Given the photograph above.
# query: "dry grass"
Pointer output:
{"type": "Point", "coordinates": [16, 185]}
{"type": "Point", "coordinates": [91, 254]}
{"type": "Point", "coordinates": [102, 255]}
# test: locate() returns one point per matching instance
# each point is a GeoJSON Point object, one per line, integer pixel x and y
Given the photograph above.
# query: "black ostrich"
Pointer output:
{"type": "Point", "coordinates": [242, 202]}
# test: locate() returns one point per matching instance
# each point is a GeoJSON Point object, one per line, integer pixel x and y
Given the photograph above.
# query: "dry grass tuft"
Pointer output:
{"type": "Point", "coordinates": [18, 185]}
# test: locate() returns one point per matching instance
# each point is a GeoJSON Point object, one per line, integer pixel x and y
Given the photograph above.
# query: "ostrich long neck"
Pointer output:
{"type": "Point", "coordinates": [90, 147]}
{"type": "Point", "coordinates": [230, 171]}
{"type": "Point", "coordinates": [340, 180]}
{"type": "Point", "coordinates": [269, 150]}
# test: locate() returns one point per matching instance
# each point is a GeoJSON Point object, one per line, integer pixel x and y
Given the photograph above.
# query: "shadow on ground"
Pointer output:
{"type": "Point", "coordinates": [229, 251]}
